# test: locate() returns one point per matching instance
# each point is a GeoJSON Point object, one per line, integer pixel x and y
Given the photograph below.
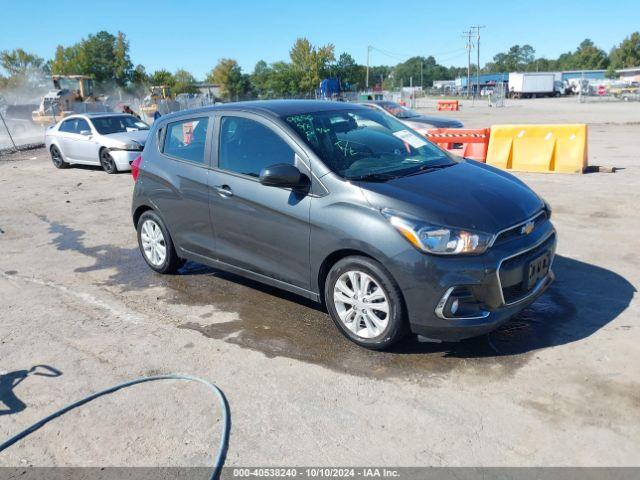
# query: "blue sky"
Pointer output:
{"type": "Point", "coordinates": [194, 34]}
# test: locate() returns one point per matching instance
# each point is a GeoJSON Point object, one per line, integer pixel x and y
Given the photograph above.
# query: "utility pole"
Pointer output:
{"type": "Point", "coordinates": [468, 46]}
{"type": "Point", "coordinates": [421, 75]}
{"type": "Point", "coordinates": [477, 29]}
{"type": "Point", "coordinates": [368, 57]}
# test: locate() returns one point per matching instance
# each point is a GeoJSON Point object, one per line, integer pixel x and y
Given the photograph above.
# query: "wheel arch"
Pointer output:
{"type": "Point", "coordinates": [138, 213]}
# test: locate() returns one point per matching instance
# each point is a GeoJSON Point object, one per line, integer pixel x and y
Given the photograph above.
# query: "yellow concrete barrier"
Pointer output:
{"type": "Point", "coordinates": [538, 148]}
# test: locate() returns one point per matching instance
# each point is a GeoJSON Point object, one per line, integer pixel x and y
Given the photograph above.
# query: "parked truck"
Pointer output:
{"type": "Point", "coordinates": [533, 84]}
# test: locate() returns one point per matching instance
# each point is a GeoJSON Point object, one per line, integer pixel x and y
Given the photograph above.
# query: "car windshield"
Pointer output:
{"type": "Point", "coordinates": [367, 145]}
{"type": "Point", "coordinates": [118, 124]}
{"type": "Point", "coordinates": [399, 111]}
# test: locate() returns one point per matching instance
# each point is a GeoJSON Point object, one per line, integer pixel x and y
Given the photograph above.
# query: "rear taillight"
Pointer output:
{"type": "Point", "coordinates": [135, 167]}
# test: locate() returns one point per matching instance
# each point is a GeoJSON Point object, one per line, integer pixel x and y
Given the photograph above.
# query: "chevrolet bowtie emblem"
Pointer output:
{"type": "Point", "coordinates": [527, 228]}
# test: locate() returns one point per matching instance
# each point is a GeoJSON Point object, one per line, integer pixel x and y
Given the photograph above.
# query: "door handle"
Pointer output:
{"type": "Point", "coordinates": [224, 190]}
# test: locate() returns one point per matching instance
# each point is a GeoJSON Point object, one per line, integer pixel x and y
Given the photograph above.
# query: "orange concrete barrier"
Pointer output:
{"type": "Point", "coordinates": [450, 105]}
{"type": "Point", "coordinates": [474, 141]}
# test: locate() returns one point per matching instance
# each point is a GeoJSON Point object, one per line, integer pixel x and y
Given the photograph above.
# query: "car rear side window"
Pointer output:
{"type": "Point", "coordinates": [247, 146]}
{"type": "Point", "coordinates": [186, 139]}
{"type": "Point", "coordinates": [81, 125]}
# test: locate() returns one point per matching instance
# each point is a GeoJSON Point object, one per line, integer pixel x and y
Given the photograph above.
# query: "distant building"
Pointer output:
{"type": "Point", "coordinates": [629, 74]}
{"type": "Point", "coordinates": [486, 80]}
{"type": "Point", "coordinates": [586, 74]}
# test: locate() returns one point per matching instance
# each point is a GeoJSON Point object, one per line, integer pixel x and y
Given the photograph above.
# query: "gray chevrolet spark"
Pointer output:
{"type": "Point", "coordinates": [346, 206]}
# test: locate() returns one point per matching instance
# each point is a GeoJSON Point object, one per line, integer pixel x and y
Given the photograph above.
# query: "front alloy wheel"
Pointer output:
{"type": "Point", "coordinates": [361, 303]}
{"type": "Point", "coordinates": [365, 302]}
{"type": "Point", "coordinates": [107, 162]}
{"type": "Point", "coordinates": [56, 158]}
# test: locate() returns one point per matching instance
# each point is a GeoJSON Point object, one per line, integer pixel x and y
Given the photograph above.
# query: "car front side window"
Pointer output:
{"type": "Point", "coordinates": [68, 126]}
{"type": "Point", "coordinates": [247, 146]}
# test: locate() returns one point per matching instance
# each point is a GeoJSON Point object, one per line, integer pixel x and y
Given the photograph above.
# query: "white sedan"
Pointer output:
{"type": "Point", "coordinates": [111, 140]}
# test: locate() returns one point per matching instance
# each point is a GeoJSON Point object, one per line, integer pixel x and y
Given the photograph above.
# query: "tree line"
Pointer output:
{"type": "Point", "coordinates": [587, 56]}
{"type": "Point", "coordinates": [105, 57]}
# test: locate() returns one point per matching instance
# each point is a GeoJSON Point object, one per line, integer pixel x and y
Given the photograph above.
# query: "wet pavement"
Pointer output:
{"type": "Point", "coordinates": [280, 324]}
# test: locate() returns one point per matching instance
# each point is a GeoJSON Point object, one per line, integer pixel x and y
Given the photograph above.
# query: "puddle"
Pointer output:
{"type": "Point", "coordinates": [279, 324]}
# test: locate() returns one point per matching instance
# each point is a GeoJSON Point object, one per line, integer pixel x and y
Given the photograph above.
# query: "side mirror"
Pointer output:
{"type": "Point", "coordinates": [85, 133]}
{"type": "Point", "coordinates": [281, 175]}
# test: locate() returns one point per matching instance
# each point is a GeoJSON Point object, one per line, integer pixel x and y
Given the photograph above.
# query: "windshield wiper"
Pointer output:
{"type": "Point", "coordinates": [374, 177]}
{"type": "Point", "coordinates": [429, 168]}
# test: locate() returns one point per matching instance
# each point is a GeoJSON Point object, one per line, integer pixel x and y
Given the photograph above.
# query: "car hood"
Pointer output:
{"type": "Point", "coordinates": [139, 136]}
{"type": "Point", "coordinates": [467, 195]}
{"type": "Point", "coordinates": [437, 122]}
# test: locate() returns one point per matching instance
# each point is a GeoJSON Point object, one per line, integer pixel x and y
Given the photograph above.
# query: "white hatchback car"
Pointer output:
{"type": "Point", "coordinates": [111, 140]}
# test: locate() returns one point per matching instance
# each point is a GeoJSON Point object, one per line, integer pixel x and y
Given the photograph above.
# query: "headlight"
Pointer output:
{"type": "Point", "coordinates": [437, 239]}
{"type": "Point", "coordinates": [135, 146]}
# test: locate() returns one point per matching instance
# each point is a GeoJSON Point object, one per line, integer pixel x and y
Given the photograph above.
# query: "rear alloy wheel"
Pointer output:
{"type": "Point", "coordinates": [56, 158]}
{"type": "Point", "coordinates": [156, 245]}
{"type": "Point", "coordinates": [107, 162]}
{"type": "Point", "coordinates": [365, 303]}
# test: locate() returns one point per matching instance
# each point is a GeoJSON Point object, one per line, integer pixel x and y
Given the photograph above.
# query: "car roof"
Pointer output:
{"type": "Point", "coordinates": [380, 102]}
{"type": "Point", "coordinates": [104, 114]}
{"type": "Point", "coordinates": [276, 108]}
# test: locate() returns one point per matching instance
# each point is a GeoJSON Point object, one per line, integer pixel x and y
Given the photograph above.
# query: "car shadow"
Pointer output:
{"type": "Point", "coordinates": [10, 380]}
{"type": "Point", "coordinates": [583, 299]}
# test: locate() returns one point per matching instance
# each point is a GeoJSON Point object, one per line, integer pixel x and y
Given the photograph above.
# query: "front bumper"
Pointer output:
{"type": "Point", "coordinates": [124, 158]}
{"type": "Point", "coordinates": [495, 281]}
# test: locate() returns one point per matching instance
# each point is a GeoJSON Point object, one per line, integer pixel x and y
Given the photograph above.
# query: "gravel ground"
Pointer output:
{"type": "Point", "coordinates": [559, 385]}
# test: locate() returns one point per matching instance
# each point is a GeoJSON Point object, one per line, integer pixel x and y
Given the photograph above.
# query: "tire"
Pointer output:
{"type": "Point", "coordinates": [57, 158]}
{"type": "Point", "coordinates": [152, 233]}
{"type": "Point", "coordinates": [107, 162]}
{"type": "Point", "coordinates": [375, 329]}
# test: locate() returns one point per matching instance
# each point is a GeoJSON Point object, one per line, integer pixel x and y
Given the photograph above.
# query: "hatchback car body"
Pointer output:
{"type": "Point", "coordinates": [412, 119]}
{"type": "Point", "coordinates": [111, 140]}
{"type": "Point", "coordinates": [346, 206]}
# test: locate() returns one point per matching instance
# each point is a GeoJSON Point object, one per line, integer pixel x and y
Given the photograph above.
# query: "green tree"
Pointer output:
{"type": "Point", "coordinates": [19, 62]}
{"type": "Point", "coordinates": [139, 75]}
{"type": "Point", "coordinates": [228, 74]}
{"type": "Point", "coordinates": [311, 63]}
{"type": "Point", "coordinates": [627, 54]}
{"type": "Point", "coordinates": [589, 57]}
{"type": "Point", "coordinates": [260, 78]}
{"type": "Point", "coordinates": [284, 81]}
{"type": "Point", "coordinates": [161, 77]}
{"type": "Point", "coordinates": [183, 82]}
{"type": "Point", "coordinates": [68, 60]}
{"type": "Point", "coordinates": [351, 74]}
{"type": "Point", "coordinates": [518, 58]}
{"type": "Point", "coordinates": [99, 50]}
{"type": "Point", "coordinates": [122, 66]}
{"type": "Point", "coordinates": [103, 56]}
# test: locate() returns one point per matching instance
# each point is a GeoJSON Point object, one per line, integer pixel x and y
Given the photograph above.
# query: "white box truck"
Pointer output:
{"type": "Point", "coordinates": [532, 85]}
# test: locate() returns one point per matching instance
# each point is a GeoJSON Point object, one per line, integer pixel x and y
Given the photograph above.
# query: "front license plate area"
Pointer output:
{"type": "Point", "coordinates": [537, 269]}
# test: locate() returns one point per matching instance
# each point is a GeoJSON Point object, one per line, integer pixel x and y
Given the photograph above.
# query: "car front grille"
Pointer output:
{"type": "Point", "coordinates": [516, 231]}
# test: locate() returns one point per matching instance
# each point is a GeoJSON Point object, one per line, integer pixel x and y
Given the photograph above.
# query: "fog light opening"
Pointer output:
{"type": "Point", "coordinates": [458, 303]}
